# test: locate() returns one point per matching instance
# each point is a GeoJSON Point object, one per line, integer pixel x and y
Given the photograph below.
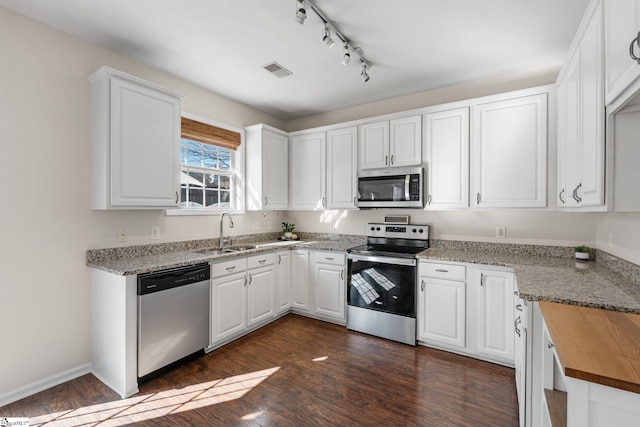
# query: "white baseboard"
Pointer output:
{"type": "Point", "coordinates": [46, 383]}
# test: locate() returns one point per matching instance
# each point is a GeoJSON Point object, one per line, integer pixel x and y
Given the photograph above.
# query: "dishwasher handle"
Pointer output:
{"type": "Point", "coordinates": [167, 279]}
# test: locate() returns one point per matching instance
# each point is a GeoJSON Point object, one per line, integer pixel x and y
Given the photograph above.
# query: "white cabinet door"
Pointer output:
{"type": "Point", "coordinates": [447, 156]}
{"type": "Point", "coordinates": [283, 280]}
{"type": "Point", "coordinates": [405, 141]}
{"type": "Point", "coordinates": [569, 134]}
{"type": "Point", "coordinates": [267, 168]}
{"type": "Point", "coordinates": [442, 312]}
{"type": "Point", "coordinates": [621, 25]}
{"type": "Point", "coordinates": [495, 313]}
{"type": "Point", "coordinates": [308, 171]}
{"type": "Point", "coordinates": [509, 153]}
{"type": "Point", "coordinates": [261, 287]}
{"type": "Point", "coordinates": [228, 306]}
{"type": "Point", "coordinates": [342, 164]}
{"type": "Point", "coordinates": [300, 279]}
{"type": "Point", "coordinates": [373, 145]}
{"type": "Point", "coordinates": [136, 143]}
{"type": "Point", "coordinates": [330, 290]}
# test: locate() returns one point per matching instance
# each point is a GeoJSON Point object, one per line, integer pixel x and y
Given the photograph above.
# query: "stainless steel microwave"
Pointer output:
{"type": "Point", "coordinates": [391, 188]}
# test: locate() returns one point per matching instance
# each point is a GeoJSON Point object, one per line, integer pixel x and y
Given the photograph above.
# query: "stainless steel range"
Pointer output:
{"type": "Point", "coordinates": [382, 281]}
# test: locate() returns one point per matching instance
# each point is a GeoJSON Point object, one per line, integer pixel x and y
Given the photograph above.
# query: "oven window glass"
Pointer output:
{"type": "Point", "coordinates": [386, 189]}
{"type": "Point", "coordinates": [383, 287]}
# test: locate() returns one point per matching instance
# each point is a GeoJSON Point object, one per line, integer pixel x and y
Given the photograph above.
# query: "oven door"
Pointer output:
{"type": "Point", "coordinates": [382, 283]}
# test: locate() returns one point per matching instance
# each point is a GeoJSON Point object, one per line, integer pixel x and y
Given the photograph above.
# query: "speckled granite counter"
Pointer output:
{"type": "Point", "coordinates": [136, 260]}
{"type": "Point", "coordinates": [556, 279]}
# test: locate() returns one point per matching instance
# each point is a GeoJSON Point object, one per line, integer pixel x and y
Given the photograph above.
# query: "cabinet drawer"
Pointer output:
{"type": "Point", "coordinates": [228, 267]}
{"type": "Point", "coordinates": [261, 260]}
{"type": "Point", "coordinates": [443, 271]}
{"type": "Point", "coordinates": [329, 258]}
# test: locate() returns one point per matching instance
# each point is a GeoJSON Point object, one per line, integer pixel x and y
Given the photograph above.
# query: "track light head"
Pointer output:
{"type": "Point", "coordinates": [301, 11]}
{"type": "Point", "coordinates": [346, 56]}
{"type": "Point", "coordinates": [326, 36]}
{"type": "Point", "coordinates": [363, 73]}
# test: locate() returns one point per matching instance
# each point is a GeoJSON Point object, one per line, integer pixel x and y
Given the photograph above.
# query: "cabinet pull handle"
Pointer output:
{"type": "Point", "coordinates": [634, 41]}
{"type": "Point", "coordinates": [262, 261]}
{"type": "Point", "coordinates": [250, 278]}
{"type": "Point", "coordinates": [323, 205]}
{"type": "Point", "coordinates": [516, 293]}
{"type": "Point", "coordinates": [279, 258]}
{"type": "Point", "coordinates": [429, 199]}
{"type": "Point", "coordinates": [245, 280]}
{"type": "Point", "coordinates": [477, 198]}
{"type": "Point", "coordinates": [515, 325]}
{"type": "Point", "coordinates": [230, 268]}
{"type": "Point", "coordinates": [355, 201]}
{"type": "Point", "coordinates": [266, 201]}
{"type": "Point", "coordinates": [386, 160]}
{"type": "Point", "coordinates": [422, 285]}
{"type": "Point", "coordinates": [560, 196]}
{"type": "Point", "coordinates": [341, 274]}
{"type": "Point", "coordinates": [575, 193]}
{"type": "Point", "coordinates": [392, 160]}
{"type": "Point", "coordinates": [549, 344]}
{"type": "Point", "coordinates": [441, 270]}
{"type": "Point", "coordinates": [519, 307]}
{"type": "Point", "coordinates": [177, 197]}
{"type": "Point", "coordinates": [481, 279]}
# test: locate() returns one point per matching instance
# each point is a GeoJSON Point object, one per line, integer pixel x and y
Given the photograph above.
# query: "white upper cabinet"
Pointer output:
{"type": "Point", "coordinates": [509, 153]}
{"type": "Point", "coordinates": [621, 25]}
{"type": "Point", "coordinates": [391, 143]}
{"type": "Point", "coordinates": [581, 143]}
{"type": "Point", "coordinates": [267, 168]}
{"type": "Point", "coordinates": [307, 181]}
{"type": "Point", "coordinates": [342, 163]}
{"type": "Point", "coordinates": [135, 142]}
{"type": "Point", "coordinates": [447, 157]}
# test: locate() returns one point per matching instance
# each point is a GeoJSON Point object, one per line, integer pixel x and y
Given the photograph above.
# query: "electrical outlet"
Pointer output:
{"type": "Point", "coordinates": [501, 232]}
{"type": "Point", "coordinates": [155, 233]}
{"type": "Point", "coordinates": [122, 235]}
{"type": "Point", "coordinates": [610, 237]}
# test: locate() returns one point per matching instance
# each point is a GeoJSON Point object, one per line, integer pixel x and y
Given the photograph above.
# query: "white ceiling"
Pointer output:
{"type": "Point", "coordinates": [413, 45]}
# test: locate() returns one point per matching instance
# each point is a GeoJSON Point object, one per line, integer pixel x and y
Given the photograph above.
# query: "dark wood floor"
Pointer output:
{"type": "Point", "coordinates": [296, 372]}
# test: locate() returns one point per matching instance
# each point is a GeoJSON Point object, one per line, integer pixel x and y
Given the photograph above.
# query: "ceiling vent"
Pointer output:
{"type": "Point", "coordinates": [277, 70]}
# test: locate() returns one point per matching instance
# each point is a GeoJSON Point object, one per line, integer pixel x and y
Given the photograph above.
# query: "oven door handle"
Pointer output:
{"type": "Point", "coordinates": [383, 259]}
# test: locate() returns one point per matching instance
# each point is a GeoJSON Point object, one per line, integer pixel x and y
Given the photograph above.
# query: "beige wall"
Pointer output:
{"type": "Point", "coordinates": [625, 234]}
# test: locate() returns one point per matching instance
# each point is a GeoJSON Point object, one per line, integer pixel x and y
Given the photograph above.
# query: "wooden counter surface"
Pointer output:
{"type": "Point", "coordinates": [595, 345]}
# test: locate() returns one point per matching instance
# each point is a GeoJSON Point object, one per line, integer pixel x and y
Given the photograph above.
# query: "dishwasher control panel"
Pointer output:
{"type": "Point", "coordinates": [173, 278]}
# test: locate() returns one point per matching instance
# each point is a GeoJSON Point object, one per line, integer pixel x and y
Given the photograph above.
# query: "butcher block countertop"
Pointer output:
{"type": "Point", "coordinates": [594, 345]}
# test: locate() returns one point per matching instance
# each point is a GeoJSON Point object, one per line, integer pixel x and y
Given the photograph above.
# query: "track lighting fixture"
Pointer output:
{"type": "Point", "coordinates": [326, 36]}
{"type": "Point", "coordinates": [301, 14]}
{"type": "Point", "coordinates": [346, 56]}
{"type": "Point", "coordinates": [301, 11]}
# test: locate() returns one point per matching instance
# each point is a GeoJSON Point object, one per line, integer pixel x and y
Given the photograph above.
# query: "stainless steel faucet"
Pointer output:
{"type": "Point", "coordinates": [221, 222]}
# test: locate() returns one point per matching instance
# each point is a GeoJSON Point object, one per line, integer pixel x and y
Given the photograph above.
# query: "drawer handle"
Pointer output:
{"type": "Point", "coordinates": [441, 270]}
{"type": "Point", "coordinates": [231, 268]}
{"type": "Point", "coordinates": [329, 258]}
{"type": "Point", "coordinates": [262, 261]}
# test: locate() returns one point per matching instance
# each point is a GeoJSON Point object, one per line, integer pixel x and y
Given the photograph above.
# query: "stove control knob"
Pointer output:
{"type": "Point", "coordinates": [377, 228]}
{"type": "Point", "coordinates": [421, 230]}
{"type": "Point", "coordinates": [373, 228]}
{"type": "Point", "coordinates": [414, 230]}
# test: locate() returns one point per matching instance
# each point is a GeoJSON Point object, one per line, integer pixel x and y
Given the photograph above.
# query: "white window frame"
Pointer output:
{"type": "Point", "coordinates": [238, 160]}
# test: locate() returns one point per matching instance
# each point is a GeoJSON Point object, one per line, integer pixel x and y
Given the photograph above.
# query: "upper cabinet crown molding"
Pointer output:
{"type": "Point", "coordinates": [135, 142]}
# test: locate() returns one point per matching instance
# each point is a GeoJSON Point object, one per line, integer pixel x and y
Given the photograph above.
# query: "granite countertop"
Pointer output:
{"type": "Point", "coordinates": [125, 266]}
{"type": "Point", "coordinates": [555, 279]}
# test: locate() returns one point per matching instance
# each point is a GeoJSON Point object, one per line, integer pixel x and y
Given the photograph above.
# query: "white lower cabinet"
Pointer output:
{"type": "Point", "coordinates": [467, 309]}
{"type": "Point", "coordinates": [329, 285]}
{"type": "Point", "coordinates": [261, 288]}
{"type": "Point", "coordinates": [300, 280]}
{"type": "Point", "coordinates": [228, 300]}
{"type": "Point", "coordinates": [283, 281]}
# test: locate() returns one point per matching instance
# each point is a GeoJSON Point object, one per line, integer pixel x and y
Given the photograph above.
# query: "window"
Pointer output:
{"type": "Point", "coordinates": [208, 167]}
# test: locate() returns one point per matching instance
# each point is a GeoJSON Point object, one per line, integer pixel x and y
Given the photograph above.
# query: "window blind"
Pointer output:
{"type": "Point", "coordinates": [208, 134]}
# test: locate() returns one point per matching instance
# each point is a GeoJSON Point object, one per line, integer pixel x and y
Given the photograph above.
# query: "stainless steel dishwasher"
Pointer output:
{"type": "Point", "coordinates": [173, 315]}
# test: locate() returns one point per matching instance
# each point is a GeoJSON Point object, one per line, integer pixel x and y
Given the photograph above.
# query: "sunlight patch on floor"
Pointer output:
{"type": "Point", "coordinates": [150, 406]}
{"type": "Point", "coordinates": [320, 359]}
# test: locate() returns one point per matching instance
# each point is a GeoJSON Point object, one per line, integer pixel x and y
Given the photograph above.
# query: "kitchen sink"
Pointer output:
{"type": "Point", "coordinates": [229, 250]}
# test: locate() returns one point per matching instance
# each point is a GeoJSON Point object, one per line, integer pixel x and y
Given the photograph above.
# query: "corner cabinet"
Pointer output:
{"type": "Point", "coordinates": [581, 115]}
{"type": "Point", "coordinates": [135, 142]}
{"type": "Point", "coordinates": [342, 164]}
{"type": "Point", "coordinates": [621, 26]}
{"type": "Point", "coordinates": [509, 153]}
{"type": "Point", "coordinates": [267, 168]}
{"type": "Point", "coordinates": [447, 157]}
{"type": "Point", "coordinates": [307, 160]}
{"type": "Point", "coordinates": [391, 143]}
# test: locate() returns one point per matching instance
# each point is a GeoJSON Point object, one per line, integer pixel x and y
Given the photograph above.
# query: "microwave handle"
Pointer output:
{"type": "Point", "coordinates": [407, 180]}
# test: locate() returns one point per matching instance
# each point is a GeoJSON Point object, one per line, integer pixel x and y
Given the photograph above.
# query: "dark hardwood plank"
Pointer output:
{"type": "Point", "coordinates": [296, 371]}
